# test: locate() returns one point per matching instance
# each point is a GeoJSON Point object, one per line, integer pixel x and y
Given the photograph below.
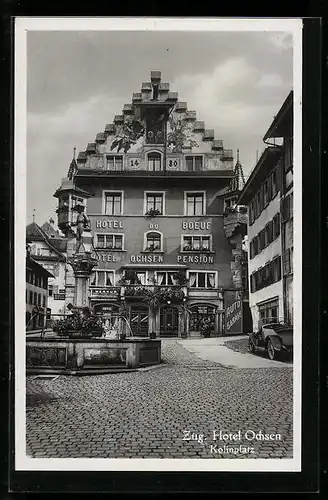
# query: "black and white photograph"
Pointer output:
{"type": "Point", "coordinates": [158, 173]}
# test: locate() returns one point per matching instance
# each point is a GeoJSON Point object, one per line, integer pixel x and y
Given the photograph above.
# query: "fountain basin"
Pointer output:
{"type": "Point", "coordinates": [78, 356]}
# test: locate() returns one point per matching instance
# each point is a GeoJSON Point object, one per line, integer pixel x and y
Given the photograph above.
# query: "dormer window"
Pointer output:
{"type": "Point", "coordinates": [154, 161]}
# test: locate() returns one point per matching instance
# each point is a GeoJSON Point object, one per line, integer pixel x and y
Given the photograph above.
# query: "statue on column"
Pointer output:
{"type": "Point", "coordinates": [83, 230]}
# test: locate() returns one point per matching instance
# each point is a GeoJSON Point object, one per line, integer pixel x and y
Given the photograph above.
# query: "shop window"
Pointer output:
{"type": "Point", "coordinates": [269, 312]}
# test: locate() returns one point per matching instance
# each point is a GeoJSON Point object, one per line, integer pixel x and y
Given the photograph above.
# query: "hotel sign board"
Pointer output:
{"type": "Point", "coordinates": [233, 313]}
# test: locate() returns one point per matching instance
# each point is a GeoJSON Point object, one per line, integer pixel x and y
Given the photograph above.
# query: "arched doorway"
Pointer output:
{"type": "Point", "coordinates": [169, 321]}
{"type": "Point", "coordinates": [198, 313]}
{"type": "Point", "coordinates": [139, 319]}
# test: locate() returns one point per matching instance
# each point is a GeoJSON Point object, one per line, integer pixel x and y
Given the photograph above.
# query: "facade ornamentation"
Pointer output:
{"type": "Point", "coordinates": [127, 135]}
{"type": "Point", "coordinates": [180, 135]}
{"type": "Point", "coordinates": [82, 264]}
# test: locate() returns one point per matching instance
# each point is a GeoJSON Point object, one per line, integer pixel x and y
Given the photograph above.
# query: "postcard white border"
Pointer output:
{"type": "Point", "coordinates": [24, 24]}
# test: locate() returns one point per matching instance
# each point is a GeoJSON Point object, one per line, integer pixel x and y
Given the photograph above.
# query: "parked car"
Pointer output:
{"type": "Point", "coordinates": [275, 337]}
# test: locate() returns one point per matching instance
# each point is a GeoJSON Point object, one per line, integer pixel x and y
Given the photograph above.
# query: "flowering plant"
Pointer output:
{"type": "Point", "coordinates": [85, 323]}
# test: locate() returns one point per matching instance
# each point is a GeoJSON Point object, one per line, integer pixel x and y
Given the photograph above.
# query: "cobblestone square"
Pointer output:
{"type": "Point", "coordinates": [146, 414]}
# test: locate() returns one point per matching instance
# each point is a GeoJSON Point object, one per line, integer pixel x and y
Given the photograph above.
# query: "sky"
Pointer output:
{"type": "Point", "coordinates": [78, 80]}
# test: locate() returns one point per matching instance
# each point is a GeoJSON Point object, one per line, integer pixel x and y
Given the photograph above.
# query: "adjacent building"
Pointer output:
{"type": "Point", "coordinates": [282, 129]}
{"type": "Point", "coordinates": [48, 248]}
{"type": "Point", "coordinates": [268, 196]}
{"type": "Point", "coordinates": [36, 292]}
{"type": "Point", "coordinates": [152, 184]}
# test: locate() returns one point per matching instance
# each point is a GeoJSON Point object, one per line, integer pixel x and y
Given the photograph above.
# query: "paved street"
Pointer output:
{"type": "Point", "coordinates": [145, 414]}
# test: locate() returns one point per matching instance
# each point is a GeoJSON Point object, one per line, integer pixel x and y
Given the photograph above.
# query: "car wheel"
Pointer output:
{"type": "Point", "coordinates": [271, 350]}
{"type": "Point", "coordinates": [251, 346]}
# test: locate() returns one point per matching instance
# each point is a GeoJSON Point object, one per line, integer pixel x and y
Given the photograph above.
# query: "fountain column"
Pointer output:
{"type": "Point", "coordinates": [82, 263]}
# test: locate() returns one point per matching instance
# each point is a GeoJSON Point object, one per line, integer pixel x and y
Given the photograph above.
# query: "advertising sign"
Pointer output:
{"type": "Point", "coordinates": [233, 313]}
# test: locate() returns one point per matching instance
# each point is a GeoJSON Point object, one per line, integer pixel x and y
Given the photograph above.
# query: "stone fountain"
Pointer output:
{"type": "Point", "coordinates": [74, 353]}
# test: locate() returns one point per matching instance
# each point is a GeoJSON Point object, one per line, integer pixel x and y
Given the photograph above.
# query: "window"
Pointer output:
{"type": "Point", "coordinates": [154, 162]}
{"type": "Point", "coordinates": [102, 278]}
{"type": "Point", "coordinates": [50, 290]}
{"type": "Point", "coordinates": [195, 204]}
{"type": "Point", "coordinates": [75, 200]}
{"type": "Point", "coordinates": [288, 152]}
{"type": "Point", "coordinates": [166, 278]}
{"type": "Point", "coordinates": [196, 243]}
{"type": "Point", "coordinates": [194, 163]}
{"type": "Point", "coordinates": [276, 226]}
{"type": "Point", "coordinates": [31, 298]}
{"type": "Point", "coordinates": [113, 203]}
{"type": "Point", "coordinates": [114, 162]}
{"type": "Point", "coordinates": [153, 241]}
{"type": "Point", "coordinates": [289, 178]}
{"type": "Point", "coordinates": [44, 301]}
{"type": "Point", "coordinates": [276, 269]}
{"type": "Point", "coordinates": [251, 213]}
{"type": "Point", "coordinates": [35, 299]}
{"type": "Point", "coordinates": [111, 241]}
{"type": "Point", "coordinates": [229, 203]}
{"type": "Point", "coordinates": [269, 233]}
{"type": "Point", "coordinates": [266, 193]}
{"type": "Point", "coordinates": [200, 279]}
{"type": "Point", "coordinates": [269, 312]}
{"type": "Point", "coordinates": [274, 183]}
{"type": "Point", "coordinates": [287, 264]}
{"type": "Point", "coordinates": [154, 202]}
{"type": "Point", "coordinates": [266, 275]}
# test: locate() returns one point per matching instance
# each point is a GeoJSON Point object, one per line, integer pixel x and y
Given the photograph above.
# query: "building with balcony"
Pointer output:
{"type": "Point", "coordinates": [151, 185]}
{"type": "Point", "coordinates": [36, 292]}
{"type": "Point", "coordinates": [48, 248]}
{"type": "Point", "coordinates": [282, 129]}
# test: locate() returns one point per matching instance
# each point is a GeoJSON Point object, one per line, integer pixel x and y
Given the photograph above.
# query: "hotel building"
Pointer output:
{"type": "Point", "coordinates": [152, 185]}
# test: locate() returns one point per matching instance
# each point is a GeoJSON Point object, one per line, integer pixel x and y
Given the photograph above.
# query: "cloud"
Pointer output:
{"type": "Point", "coordinates": [282, 41]}
{"type": "Point", "coordinates": [236, 100]}
{"type": "Point", "coordinates": [50, 142]}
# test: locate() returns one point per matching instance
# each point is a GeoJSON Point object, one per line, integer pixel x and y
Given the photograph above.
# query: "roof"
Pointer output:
{"type": "Point", "coordinates": [31, 263]}
{"type": "Point", "coordinates": [51, 231]}
{"type": "Point", "coordinates": [284, 115]}
{"type": "Point", "coordinates": [71, 189]}
{"type": "Point", "coordinates": [264, 166]}
{"type": "Point", "coordinates": [35, 233]}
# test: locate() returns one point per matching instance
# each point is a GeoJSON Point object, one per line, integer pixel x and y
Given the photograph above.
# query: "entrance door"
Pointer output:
{"type": "Point", "coordinates": [197, 317]}
{"type": "Point", "coordinates": [139, 321]}
{"type": "Point", "coordinates": [169, 322]}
